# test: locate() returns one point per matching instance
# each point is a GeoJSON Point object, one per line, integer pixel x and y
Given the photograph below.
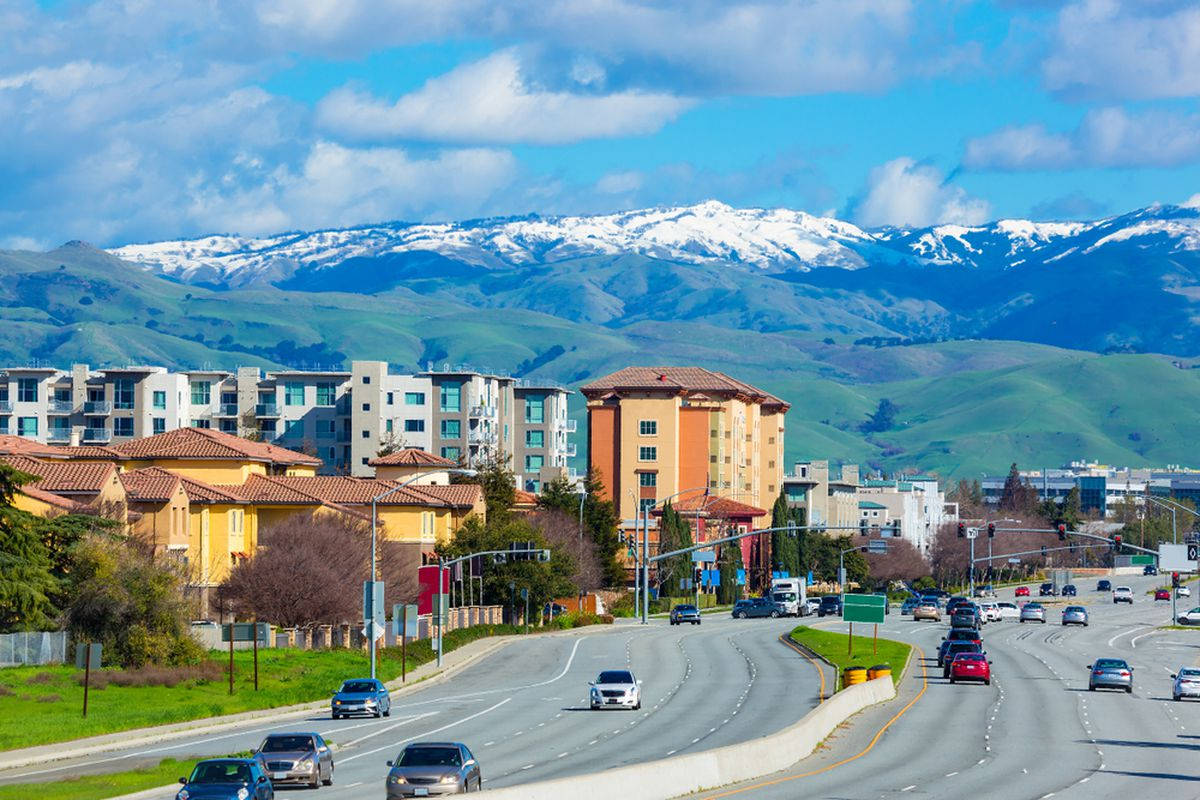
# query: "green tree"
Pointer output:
{"type": "Point", "coordinates": [27, 581]}
{"type": "Point", "coordinates": [674, 534]}
{"type": "Point", "coordinates": [599, 520]}
{"type": "Point", "coordinates": [729, 561]}
{"type": "Point", "coordinates": [499, 485]}
{"type": "Point", "coordinates": [883, 419]}
{"type": "Point", "coordinates": [1018, 495]}
{"type": "Point", "coordinates": [787, 546]}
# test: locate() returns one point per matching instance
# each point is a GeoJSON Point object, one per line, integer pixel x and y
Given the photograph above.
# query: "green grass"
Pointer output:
{"type": "Point", "coordinates": [833, 646]}
{"type": "Point", "coordinates": [40, 705]}
{"type": "Point", "coordinates": [97, 787]}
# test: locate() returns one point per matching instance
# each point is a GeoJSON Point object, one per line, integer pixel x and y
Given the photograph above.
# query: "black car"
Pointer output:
{"type": "Point", "coordinates": [831, 606]}
{"type": "Point", "coordinates": [966, 616]}
{"type": "Point", "coordinates": [1046, 590]}
{"type": "Point", "coordinates": [756, 607]}
{"type": "Point", "coordinates": [963, 635]}
{"type": "Point", "coordinates": [1103, 586]}
{"type": "Point", "coordinates": [1149, 569]}
{"type": "Point", "coordinates": [1069, 590]}
{"type": "Point", "coordinates": [949, 650]}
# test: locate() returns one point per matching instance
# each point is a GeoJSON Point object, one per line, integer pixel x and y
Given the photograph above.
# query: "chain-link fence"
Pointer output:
{"type": "Point", "coordinates": [33, 647]}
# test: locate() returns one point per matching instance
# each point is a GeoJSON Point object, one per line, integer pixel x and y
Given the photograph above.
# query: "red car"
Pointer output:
{"type": "Point", "coordinates": [1162, 594]}
{"type": "Point", "coordinates": [971, 667]}
{"type": "Point", "coordinates": [1022, 591]}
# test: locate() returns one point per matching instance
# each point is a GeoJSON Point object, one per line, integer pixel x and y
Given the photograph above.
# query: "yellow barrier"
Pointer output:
{"type": "Point", "coordinates": [879, 671]}
{"type": "Point", "coordinates": [853, 675]}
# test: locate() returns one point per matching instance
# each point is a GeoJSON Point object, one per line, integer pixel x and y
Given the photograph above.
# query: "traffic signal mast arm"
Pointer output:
{"type": "Point", "coordinates": [1063, 533]}
{"type": "Point", "coordinates": [736, 536]}
{"type": "Point", "coordinates": [542, 555]}
{"type": "Point", "coordinates": [1041, 551]}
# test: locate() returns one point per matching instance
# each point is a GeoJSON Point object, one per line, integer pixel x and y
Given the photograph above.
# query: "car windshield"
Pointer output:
{"type": "Point", "coordinates": [430, 757]}
{"type": "Point", "coordinates": [966, 647]}
{"type": "Point", "coordinates": [220, 772]}
{"type": "Point", "coordinates": [1034, 606]}
{"type": "Point", "coordinates": [1123, 589]}
{"type": "Point", "coordinates": [685, 608]}
{"type": "Point", "coordinates": [1188, 672]}
{"type": "Point", "coordinates": [969, 657]}
{"type": "Point", "coordinates": [615, 676]}
{"type": "Point", "coordinates": [285, 744]}
{"type": "Point", "coordinates": [1074, 609]}
{"type": "Point", "coordinates": [1110, 663]}
{"type": "Point", "coordinates": [784, 597]}
{"type": "Point", "coordinates": [358, 687]}
{"type": "Point", "coordinates": [1006, 605]}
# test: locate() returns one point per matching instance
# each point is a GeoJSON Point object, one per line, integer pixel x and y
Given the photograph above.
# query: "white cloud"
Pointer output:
{"type": "Point", "coordinates": [1130, 49]}
{"type": "Point", "coordinates": [1107, 137]}
{"type": "Point", "coordinates": [1192, 202]}
{"type": "Point", "coordinates": [492, 101]}
{"type": "Point", "coordinates": [904, 192]}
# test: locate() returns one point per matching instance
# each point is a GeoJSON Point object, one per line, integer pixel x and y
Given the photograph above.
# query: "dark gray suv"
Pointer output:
{"type": "Point", "coordinates": [756, 607]}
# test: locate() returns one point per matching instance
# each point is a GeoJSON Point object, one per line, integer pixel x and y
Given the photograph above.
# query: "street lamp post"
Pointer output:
{"type": "Point", "coordinates": [368, 624]}
{"type": "Point", "coordinates": [1171, 508]}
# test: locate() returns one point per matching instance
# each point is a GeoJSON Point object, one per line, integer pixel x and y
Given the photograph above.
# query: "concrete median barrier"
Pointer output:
{"type": "Point", "coordinates": [679, 775]}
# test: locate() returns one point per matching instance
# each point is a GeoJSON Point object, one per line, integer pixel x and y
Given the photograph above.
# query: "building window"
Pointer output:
{"type": "Point", "coordinates": [534, 463]}
{"type": "Point", "coordinates": [228, 425]}
{"type": "Point", "coordinates": [27, 390]}
{"type": "Point", "coordinates": [158, 425]}
{"type": "Point", "coordinates": [326, 394]}
{"type": "Point", "coordinates": [59, 425]}
{"type": "Point", "coordinates": [325, 427]}
{"type": "Point", "coordinates": [159, 400]}
{"type": "Point", "coordinates": [201, 393]}
{"type": "Point", "coordinates": [331, 454]}
{"type": "Point", "coordinates": [123, 426]}
{"type": "Point", "coordinates": [366, 434]}
{"type": "Point", "coordinates": [293, 394]}
{"type": "Point", "coordinates": [201, 423]}
{"type": "Point", "coordinates": [648, 427]}
{"type": "Point", "coordinates": [27, 426]}
{"type": "Point", "coordinates": [647, 454]}
{"type": "Point", "coordinates": [95, 395]}
{"type": "Point", "coordinates": [414, 398]}
{"type": "Point", "coordinates": [387, 425]}
{"type": "Point", "coordinates": [366, 406]}
{"type": "Point", "coordinates": [293, 428]}
{"type": "Point", "coordinates": [123, 393]}
{"type": "Point", "coordinates": [229, 398]}
{"type": "Point", "coordinates": [414, 426]}
{"type": "Point", "coordinates": [62, 395]}
{"type": "Point", "coordinates": [451, 453]}
{"type": "Point", "coordinates": [647, 504]}
{"type": "Point", "coordinates": [365, 459]}
{"type": "Point", "coordinates": [535, 439]}
{"type": "Point", "coordinates": [451, 429]}
{"type": "Point", "coordinates": [427, 523]}
{"type": "Point", "coordinates": [647, 479]}
{"type": "Point", "coordinates": [535, 409]}
{"type": "Point", "coordinates": [391, 398]}
{"type": "Point", "coordinates": [451, 397]}
{"type": "Point", "coordinates": [267, 426]}
{"type": "Point", "coordinates": [366, 380]}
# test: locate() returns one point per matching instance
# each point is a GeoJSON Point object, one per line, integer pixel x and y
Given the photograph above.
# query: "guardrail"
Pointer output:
{"type": "Point", "coordinates": [97, 407]}
{"type": "Point", "coordinates": [97, 435]}
{"type": "Point", "coordinates": [60, 406]}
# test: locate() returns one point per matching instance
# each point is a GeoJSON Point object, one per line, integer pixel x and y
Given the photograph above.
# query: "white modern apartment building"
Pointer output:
{"type": "Point", "coordinates": [344, 418]}
{"type": "Point", "coordinates": [917, 503]}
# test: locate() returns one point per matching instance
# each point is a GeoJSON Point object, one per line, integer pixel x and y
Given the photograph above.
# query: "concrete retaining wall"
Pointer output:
{"type": "Point", "coordinates": [671, 777]}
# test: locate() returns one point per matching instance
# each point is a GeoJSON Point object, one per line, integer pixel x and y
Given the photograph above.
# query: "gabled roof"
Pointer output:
{"type": "Point", "coordinates": [64, 477]}
{"type": "Point", "coordinates": [522, 498]}
{"type": "Point", "coordinates": [677, 380]}
{"type": "Point", "coordinates": [19, 445]}
{"type": "Point", "coordinates": [713, 506]}
{"type": "Point", "coordinates": [197, 491]}
{"type": "Point", "coordinates": [206, 444]}
{"type": "Point", "coordinates": [411, 457]}
{"type": "Point", "coordinates": [341, 490]}
{"type": "Point", "coordinates": [150, 485]}
{"type": "Point", "coordinates": [58, 501]}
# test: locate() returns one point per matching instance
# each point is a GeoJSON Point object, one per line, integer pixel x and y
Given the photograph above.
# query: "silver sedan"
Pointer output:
{"type": "Point", "coordinates": [1110, 673]}
{"type": "Point", "coordinates": [1075, 615]}
{"type": "Point", "coordinates": [1033, 612]}
{"type": "Point", "coordinates": [1187, 683]}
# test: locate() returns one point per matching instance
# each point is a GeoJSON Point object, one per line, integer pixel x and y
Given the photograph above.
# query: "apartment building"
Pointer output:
{"type": "Point", "coordinates": [828, 501]}
{"type": "Point", "coordinates": [917, 502]}
{"type": "Point", "coordinates": [342, 417]}
{"type": "Point", "coordinates": [659, 432]}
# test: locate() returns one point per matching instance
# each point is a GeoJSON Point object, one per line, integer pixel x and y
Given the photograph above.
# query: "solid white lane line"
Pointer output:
{"type": "Point", "coordinates": [427, 733]}
{"type": "Point", "coordinates": [1125, 633]}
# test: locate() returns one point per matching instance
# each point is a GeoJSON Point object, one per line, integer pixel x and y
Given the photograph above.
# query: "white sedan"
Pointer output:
{"type": "Point", "coordinates": [616, 687]}
{"type": "Point", "coordinates": [1008, 611]}
{"type": "Point", "coordinates": [1183, 591]}
{"type": "Point", "coordinates": [1190, 617]}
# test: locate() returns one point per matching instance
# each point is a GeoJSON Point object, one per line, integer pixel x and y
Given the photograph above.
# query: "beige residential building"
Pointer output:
{"type": "Point", "coordinates": [828, 502]}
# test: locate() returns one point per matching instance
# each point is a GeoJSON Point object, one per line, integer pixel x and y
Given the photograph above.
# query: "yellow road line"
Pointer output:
{"type": "Point", "coordinates": [786, 638]}
{"type": "Point", "coordinates": [860, 754]}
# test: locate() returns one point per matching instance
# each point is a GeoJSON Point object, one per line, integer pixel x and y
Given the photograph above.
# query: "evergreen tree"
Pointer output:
{"type": "Point", "coordinates": [27, 582]}
{"type": "Point", "coordinates": [674, 533]}
{"type": "Point", "coordinates": [783, 546]}
{"type": "Point", "coordinates": [728, 563]}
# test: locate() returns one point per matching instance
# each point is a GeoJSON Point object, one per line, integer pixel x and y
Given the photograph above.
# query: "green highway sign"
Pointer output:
{"type": "Point", "coordinates": [1141, 560]}
{"type": "Point", "coordinates": [863, 608]}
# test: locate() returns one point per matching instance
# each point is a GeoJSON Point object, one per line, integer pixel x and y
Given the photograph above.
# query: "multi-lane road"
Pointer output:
{"type": "Point", "coordinates": [524, 711]}
{"type": "Point", "coordinates": [1036, 731]}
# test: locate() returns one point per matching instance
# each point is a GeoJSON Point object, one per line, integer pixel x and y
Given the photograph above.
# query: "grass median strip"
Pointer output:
{"type": "Point", "coordinates": [832, 646]}
{"type": "Point", "coordinates": [98, 787]}
{"type": "Point", "coordinates": [42, 705]}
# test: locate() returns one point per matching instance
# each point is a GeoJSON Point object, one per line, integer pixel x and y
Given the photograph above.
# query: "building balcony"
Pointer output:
{"type": "Point", "coordinates": [481, 437]}
{"type": "Point", "coordinates": [96, 435]}
{"type": "Point", "coordinates": [483, 411]}
{"type": "Point", "coordinates": [570, 449]}
{"type": "Point", "coordinates": [5, 406]}
{"type": "Point", "coordinates": [227, 410]}
{"type": "Point", "coordinates": [571, 426]}
{"type": "Point", "coordinates": [97, 407]}
{"type": "Point", "coordinates": [343, 436]}
{"type": "Point", "coordinates": [266, 410]}
{"type": "Point", "coordinates": [4, 430]}
{"type": "Point", "coordinates": [58, 435]}
{"type": "Point", "coordinates": [60, 406]}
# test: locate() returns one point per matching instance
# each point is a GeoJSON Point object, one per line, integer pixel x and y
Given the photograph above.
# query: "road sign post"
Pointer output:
{"type": "Point", "coordinates": [862, 608]}
{"type": "Point", "coordinates": [244, 632]}
{"type": "Point", "coordinates": [87, 656]}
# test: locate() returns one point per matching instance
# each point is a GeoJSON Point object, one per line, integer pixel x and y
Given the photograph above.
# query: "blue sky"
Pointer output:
{"type": "Point", "coordinates": [135, 120]}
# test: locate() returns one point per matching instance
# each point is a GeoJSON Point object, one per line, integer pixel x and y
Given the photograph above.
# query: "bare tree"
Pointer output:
{"type": "Point", "coordinates": [562, 534]}
{"type": "Point", "coordinates": [310, 569]}
{"type": "Point", "coordinates": [901, 562]}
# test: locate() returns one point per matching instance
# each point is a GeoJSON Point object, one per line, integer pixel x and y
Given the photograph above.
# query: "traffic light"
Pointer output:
{"type": "Point", "coordinates": [991, 530]}
{"type": "Point", "coordinates": [896, 527]}
{"type": "Point", "coordinates": [1175, 580]}
{"type": "Point", "coordinates": [699, 577]}
{"type": "Point", "coordinates": [500, 558]}
{"type": "Point", "coordinates": [1061, 528]}
{"type": "Point", "coordinates": [1043, 551]}
{"type": "Point", "coordinates": [1117, 542]}
{"type": "Point", "coordinates": [962, 530]}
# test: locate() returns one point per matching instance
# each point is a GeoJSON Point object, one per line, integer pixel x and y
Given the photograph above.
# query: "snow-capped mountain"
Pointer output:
{"type": "Point", "coordinates": [768, 240]}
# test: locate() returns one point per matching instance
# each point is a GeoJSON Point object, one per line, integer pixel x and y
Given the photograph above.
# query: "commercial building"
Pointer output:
{"type": "Point", "coordinates": [1100, 487]}
{"type": "Point", "coordinates": [661, 432]}
{"type": "Point", "coordinates": [342, 417]}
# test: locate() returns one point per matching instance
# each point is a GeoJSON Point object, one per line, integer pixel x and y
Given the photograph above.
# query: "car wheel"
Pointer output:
{"type": "Point", "coordinates": [697, 622]}
{"type": "Point", "coordinates": [595, 707]}
{"type": "Point", "coordinates": [388, 713]}
{"type": "Point", "coordinates": [952, 679]}
{"type": "Point", "coordinates": [1091, 688]}
{"type": "Point", "coordinates": [740, 615]}
{"type": "Point", "coordinates": [638, 707]}
{"type": "Point", "coordinates": [1128, 690]}
{"type": "Point", "coordinates": [987, 681]}
{"type": "Point", "coordinates": [315, 783]}
{"type": "Point", "coordinates": [774, 615]}
{"type": "Point", "coordinates": [377, 714]}
{"type": "Point", "coordinates": [1176, 698]}
{"type": "Point", "coordinates": [336, 715]}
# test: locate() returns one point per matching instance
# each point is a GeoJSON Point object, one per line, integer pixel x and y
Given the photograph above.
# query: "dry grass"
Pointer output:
{"type": "Point", "coordinates": [50, 698]}
{"type": "Point", "coordinates": [204, 672]}
{"type": "Point", "coordinates": [41, 677]}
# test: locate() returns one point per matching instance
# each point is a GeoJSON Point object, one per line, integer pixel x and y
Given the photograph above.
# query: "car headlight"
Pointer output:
{"type": "Point", "coordinates": [369, 702]}
{"type": "Point", "coordinates": [337, 702]}
{"type": "Point", "coordinates": [243, 793]}
{"type": "Point", "coordinates": [183, 795]}
{"type": "Point", "coordinates": [451, 778]}
{"type": "Point", "coordinates": [306, 764]}
{"type": "Point", "coordinates": [395, 778]}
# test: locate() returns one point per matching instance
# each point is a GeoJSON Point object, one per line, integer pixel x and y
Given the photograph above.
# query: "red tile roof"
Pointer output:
{"type": "Point", "coordinates": [678, 380]}
{"type": "Point", "coordinates": [713, 506]}
{"type": "Point", "coordinates": [347, 491]}
{"type": "Point", "coordinates": [411, 457]}
{"type": "Point", "coordinates": [58, 501]}
{"type": "Point", "coordinates": [150, 485]}
{"type": "Point", "coordinates": [64, 477]}
{"type": "Point", "coordinates": [524, 498]}
{"type": "Point", "coordinates": [204, 443]}
{"type": "Point", "coordinates": [19, 445]}
{"type": "Point", "coordinates": [197, 491]}
{"type": "Point", "coordinates": [459, 495]}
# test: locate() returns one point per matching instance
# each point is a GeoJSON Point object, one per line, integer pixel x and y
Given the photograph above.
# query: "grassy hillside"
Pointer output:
{"type": "Point", "coordinates": [964, 406]}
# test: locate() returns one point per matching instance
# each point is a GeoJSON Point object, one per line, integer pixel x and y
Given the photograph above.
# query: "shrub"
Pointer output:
{"type": "Point", "coordinates": [49, 698]}
{"type": "Point", "coordinates": [204, 672]}
{"type": "Point", "coordinates": [41, 677]}
{"type": "Point", "coordinates": [5, 691]}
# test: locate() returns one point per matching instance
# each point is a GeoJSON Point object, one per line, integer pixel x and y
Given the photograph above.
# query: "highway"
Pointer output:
{"type": "Point", "coordinates": [524, 710]}
{"type": "Point", "coordinates": [1036, 731]}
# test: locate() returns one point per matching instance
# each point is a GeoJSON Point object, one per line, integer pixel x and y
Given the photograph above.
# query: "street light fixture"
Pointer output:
{"type": "Point", "coordinates": [374, 537]}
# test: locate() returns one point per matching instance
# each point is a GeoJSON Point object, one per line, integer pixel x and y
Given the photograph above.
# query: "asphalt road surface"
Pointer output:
{"type": "Point", "coordinates": [525, 712]}
{"type": "Point", "coordinates": [1036, 731]}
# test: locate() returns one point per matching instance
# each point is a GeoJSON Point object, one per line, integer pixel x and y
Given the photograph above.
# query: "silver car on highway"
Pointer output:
{"type": "Point", "coordinates": [425, 769]}
{"type": "Point", "coordinates": [616, 688]}
{"type": "Point", "coordinates": [1187, 683]}
{"type": "Point", "coordinates": [1110, 673]}
{"type": "Point", "coordinates": [1075, 615]}
{"type": "Point", "coordinates": [1033, 612]}
{"type": "Point", "coordinates": [296, 758]}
